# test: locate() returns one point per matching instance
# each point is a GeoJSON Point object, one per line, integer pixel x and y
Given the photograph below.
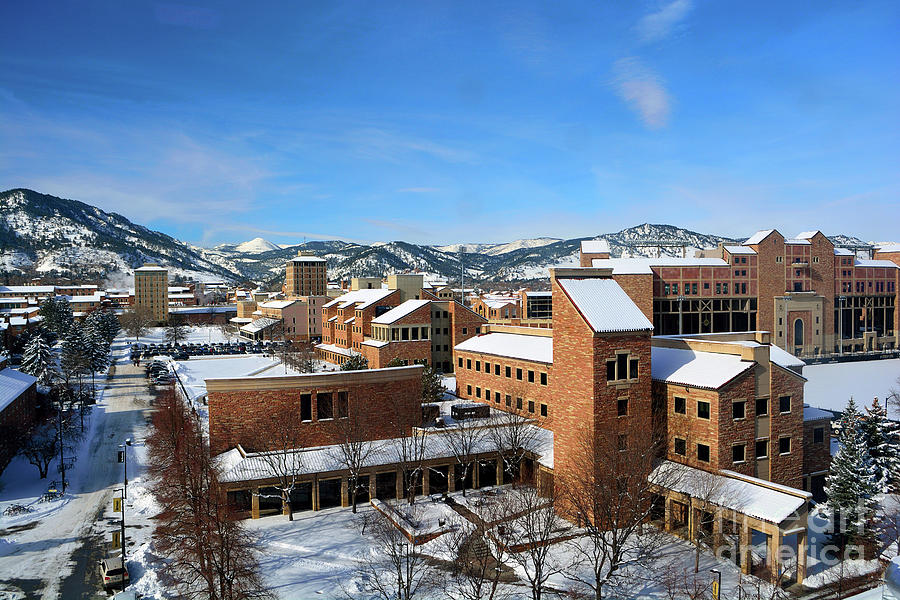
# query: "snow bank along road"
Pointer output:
{"type": "Point", "coordinates": [43, 559]}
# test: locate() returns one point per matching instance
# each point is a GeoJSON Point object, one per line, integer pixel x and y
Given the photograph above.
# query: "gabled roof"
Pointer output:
{"type": "Point", "coordinates": [758, 237]}
{"type": "Point", "coordinates": [594, 246]}
{"type": "Point", "coordinates": [708, 370]}
{"type": "Point", "coordinates": [605, 305]}
{"type": "Point", "coordinates": [740, 250]}
{"type": "Point", "coordinates": [12, 384]}
{"type": "Point", "coordinates": [397, 313]}
{"type": "Point", "coordinates": [843, 252]}
{"type": "Point", "coordinates": [366, 298]}
{"type": "Point", "coordinates": [797, 242]}
{"type": "Point", "coordinates": [259, 325]}
{"type": "Point", "coordinates": [277, 303]}
{"type": "Point", "coordinates": [807, 235]}
{"type": "Point", "coordinates": [511, 345]}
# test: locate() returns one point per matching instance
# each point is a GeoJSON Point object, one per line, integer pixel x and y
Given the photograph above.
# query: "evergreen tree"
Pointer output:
{"type": "Point", "coordinates": [433, 387]}
{"type": "Point", "coordinates": [881, 439]}
{"type": "Point", "coordinates": [851, 484]}
{"type": "Point", "coordinates": [97, 352]}
{"type": "Point", "coordinates": [57, 315]}
{"type": "Point", "coordinates": [38, 360]}
{"type": "Point", "coordinates": [357, 362]}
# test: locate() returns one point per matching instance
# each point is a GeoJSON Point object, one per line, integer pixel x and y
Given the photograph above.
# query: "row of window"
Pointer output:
{"type": "Point", "coordinates": [690, 289]}
{"type": "Point", "coordinates": [533, 376]}
{"type": "Point", "coordinates": [742, 260]}
{"type": "Point", "coordinates": [738, 407]}
{"type": "Point", "coordinates": [326, 407]}
{"type": "Point", "coordinates": [520, 403]}
{"type": "Point", "coordinates": [738, 451]}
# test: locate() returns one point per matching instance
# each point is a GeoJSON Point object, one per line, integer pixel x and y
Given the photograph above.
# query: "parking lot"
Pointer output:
{"type": "Point", "coordinates": [144, 352]}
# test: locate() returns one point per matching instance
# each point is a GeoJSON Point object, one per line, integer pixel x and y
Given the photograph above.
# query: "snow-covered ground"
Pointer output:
{"type": "Point", "coordinates": [831, 385]}
{"type": "Point", "coordinates": [197, 334]}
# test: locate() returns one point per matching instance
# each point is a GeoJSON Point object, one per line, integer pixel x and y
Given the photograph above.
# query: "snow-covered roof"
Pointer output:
{"type": "Point", "coordinates": [709, 370]}
{"type": "Point", "coordinates": [332, 319]}
{"type": "Point", "coordinates": [511, 345]}
{"type": "Point", "coordinates": [758, 237]}
{"type": "Point", "coordinates": [397, 313]}
{"type": "Point", "coordinates": [605, 305]}
{"type": "Point", "coordinates": [539, 294]}
{"type": "Point", "coordinates": [638, 266]}
{"type": "Point", "coordinates": [28, 290]}
{"type": "Point", "coordinates": [277, 304]}
{"type": "Point", "coordinates": [12, 384]}
{"type": "Point", "coordinates": [499, 303]}
{"type": "Point", "coordinates": [237, 320]}
{"type": "Point", "coordinates": [865, 262]}
{"type": "Point", "coordinates": [780, 357]}
{"type": "Point", "coordinates": [18, 321]}
{"type": "Point", "coordinates": [350, 320]}
{"type": "Point", "coordinates": [146, 268]}
{"type": "Point", "coordinates": [375, 343]}
{"type": "Point", "coordinates": [324, 459]}
{"type": "Point", "coordinates": [747, 495]}
{"type": "Point", "coordinates": [366, 298]}
{"type": "Point", "coordinates": [204, 309]}
{"type": "Point", "coordinates": [888, 247]}
{"type": "Point", "coordinates": [337, 349]}
{"type": "Point", "coordinates": [594, 246]}
{"type": "Point", "coordinates": [811, 413]}
{"type": "Point", "coordinates": [806, 235]}
{"type": "Point", "coordinates": [843, 252]}
{"type": "Point", "coordinates": [307, 259]}
{"type": "Point", "coordinates": [740, 250]}
{"type": "Point", "coordinates": [259, 325]}
{"type": "Point", "coordinates": [797, 242]}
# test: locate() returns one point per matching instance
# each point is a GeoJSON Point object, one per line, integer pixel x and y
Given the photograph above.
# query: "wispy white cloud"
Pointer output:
{"type": "Point", "coordinates": [382, 144]}
{"type": "Point", "coordinates": [644, 91]}
{"type": "Point", "coordinates": [659, 25]}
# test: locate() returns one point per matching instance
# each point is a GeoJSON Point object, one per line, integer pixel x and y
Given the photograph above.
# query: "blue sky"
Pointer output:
{"type": "Point", "coordinates": [438, 122]}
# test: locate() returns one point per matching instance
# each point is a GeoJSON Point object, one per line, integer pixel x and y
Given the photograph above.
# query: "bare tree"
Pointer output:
{"type": "Point", "coordinates": [610, 495]}
{"type": "Point", "coordinates": [409, 451]}
{"type": "Point", "coordinates": [512, 437]}
{"type": "Point", "coordinates": [39, 447]}
{"type": "Point", "coordinates": [353, 450]}
{"type": "Point", "coordinates": [277, 438]}
{"type": "Point", "coordinates": [464, 440]}
{"type": "Point", "coordinates": [135, 320]}
{"type": "Point", "coordinates": [530, 537]}
{"type": "Point", "coordinates": [477, 569]}
{"type": "Point", "coordinates": [397, 570]}
{"type": "Point", "coordinates": [176, 331]}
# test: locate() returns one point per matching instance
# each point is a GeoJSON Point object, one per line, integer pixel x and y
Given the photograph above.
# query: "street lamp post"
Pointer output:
{"type": "Point", "coordinates": [717, 585]}
{"type": "Point", "coordinates": [123, 458]}
{"type": "Point", "coordinates": [124, 569]}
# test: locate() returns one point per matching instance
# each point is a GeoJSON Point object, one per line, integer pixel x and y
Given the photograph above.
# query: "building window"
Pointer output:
{"type": "Point", "coordinates": [487, 394]}
{"type": "Point", "coordinates": [738, 409]}
{"type": "Point", "coordinates": [519, 374]}
{"type": "Point", "coordinates": [762, 448]}
{"type": "Point", "coordinates": [819, 435]}
{"type": "Point", "coordinates": [784, 445]}
{"type": "Point", "coordinates": [680, 405]}
{"type": "Point", "coordinates": [621, 367]}
{"type": "Point", "coordinates": [738, 453]}
{"type": "Point", "coordinates": [478, 365]}
{"type": "Point", "coordinates": [508, 371]}
{"type": "Point", "coordinates": [622, 442]}
{"type": "Point", "coordinates": [518, 404]}
{"type": "Point", "coordinates": [530, 376]}
{"type": "Point", "coordinates": [487, 367]}
{"type": "Point", "coordinates": [762, 407]}
{"type": "Point", "coordinates": [469, 364]}
{"type": "Point", "coordinates": [543, 409]}
{"type": "Point", "coordinates": [703, 409]}
{"type": "Point", "coordinates": [465, 330]}
{"type": "Point", "coordinates": [784, 404]}
{"type": "Point", "coordinates": [531, 406]}
{"type": "Point", "coordinates": [477, 392]}
{"type": "Point", "coordinates": [702, 452]}
{"type": "Point", "coordinates": [469, 390]}
{"type": "Point", "coordinates": [497, 397]}
{"type": "Point", "coordinates": [306, 407]}
{"type": "Point", "coordinates": [343, 405]}
{"type": "Point", "coordinates": [508, 400]}
{"type": "Point", "coordinates": [497, 369]}
{"type": "Point", "coordinates": [324, 407]}
{"type": "Point", "coordinates": [680, 447]}
{"type": "Point", "coordinates": [543, 379]}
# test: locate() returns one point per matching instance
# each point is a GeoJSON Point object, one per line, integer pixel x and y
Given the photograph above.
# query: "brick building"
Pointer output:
{"type": "Point", "coordinates": [401, 321]}
{"type": "Point", "coordinates": [305, 275]}
{"type": "Point", "coordinates": [17, 410]}
{"type": "Point", "coordinates": [816, 299]}
{"type": "Point", "coordinates": [151, 290]}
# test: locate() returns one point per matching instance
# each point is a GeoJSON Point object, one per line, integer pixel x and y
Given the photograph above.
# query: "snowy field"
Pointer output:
{"type": "Point", "coordinates": [193, 373]}
{"type": "Point", "coordinates": [198, 334]}
{"type": "Point", "coordinates": [831, 385]}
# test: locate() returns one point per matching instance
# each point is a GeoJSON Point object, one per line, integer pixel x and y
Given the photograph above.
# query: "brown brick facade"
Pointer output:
{"type": "Point", "coordinates": [384, 400]}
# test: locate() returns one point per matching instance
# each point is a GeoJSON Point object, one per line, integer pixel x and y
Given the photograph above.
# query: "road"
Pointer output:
{"type": "Point", "coordinates": [57, 557]}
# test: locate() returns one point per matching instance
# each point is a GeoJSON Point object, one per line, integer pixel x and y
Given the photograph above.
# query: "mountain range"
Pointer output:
{"type": "Point", "coordinates": [46, 235]}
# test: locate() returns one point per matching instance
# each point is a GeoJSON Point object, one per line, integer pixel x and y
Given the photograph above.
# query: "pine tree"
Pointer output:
{"type": "Point", "coordinates": [57, 315]}
{"type": "Point", "coordinates": [851, 484]}
{"type": "Point", "coordinates": [881, 439]}
{"type": "Point", "coordinates": [38, 360]}
{"type": "Point", "coordinates": [357, 362]}
{"type": "Point", "coordinates": [97, 352]}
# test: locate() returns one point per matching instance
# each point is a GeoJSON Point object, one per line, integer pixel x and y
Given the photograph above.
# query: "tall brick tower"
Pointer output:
{"type": "Point", "coordinates": [305, 275]}
{"type": "Point", "coordinates": [151, 290]}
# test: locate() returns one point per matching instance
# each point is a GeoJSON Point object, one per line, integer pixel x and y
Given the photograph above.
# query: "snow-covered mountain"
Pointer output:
{"type": "Point", "coordinates": [41, 234]}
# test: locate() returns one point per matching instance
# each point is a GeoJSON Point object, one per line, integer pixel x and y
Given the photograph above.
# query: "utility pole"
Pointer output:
{"type": "Point", "coordinates": [62, 462]}
{"type": "Point", "coordinates": [122, 507]}
{"type": "Point", "coordinates": [122, 457]}
{"type": "Point", "coordinates": [462, 275]}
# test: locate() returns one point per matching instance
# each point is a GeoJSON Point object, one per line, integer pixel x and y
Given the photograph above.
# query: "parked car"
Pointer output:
{"type": "Point", "coordinates": [112, 572]}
